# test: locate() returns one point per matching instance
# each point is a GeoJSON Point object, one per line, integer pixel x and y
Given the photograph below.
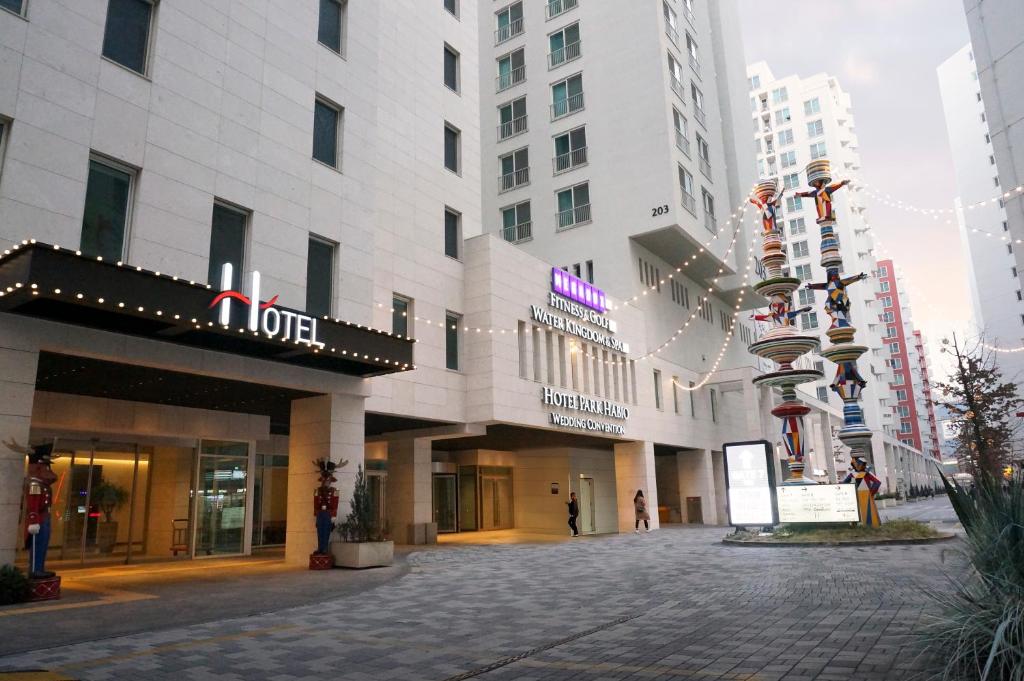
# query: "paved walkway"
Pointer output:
{"type": "Point", "coordinates": [673, 604]}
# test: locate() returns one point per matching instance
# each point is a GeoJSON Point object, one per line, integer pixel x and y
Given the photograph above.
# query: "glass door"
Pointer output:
{"type": "Point", "coordinates": [445, 501]}
{"type": "Point", "coordinates": [496, 498]}
{"type": "Point", "coordinates": [221, 498]}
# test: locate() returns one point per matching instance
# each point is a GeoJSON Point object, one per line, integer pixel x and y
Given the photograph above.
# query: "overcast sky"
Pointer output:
{"type": "Point", "coordinates": [884, 54]}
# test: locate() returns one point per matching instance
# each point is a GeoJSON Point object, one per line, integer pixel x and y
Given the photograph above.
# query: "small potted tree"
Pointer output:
{"type": "Point", "coordinates": [362, 542]}
{"type": "Point", "coordinates": [109, 497]}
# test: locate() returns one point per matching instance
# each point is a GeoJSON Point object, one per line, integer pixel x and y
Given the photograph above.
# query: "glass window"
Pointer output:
{"type": "Point", "coordinates": [815, 128]}
{"type": "Point", "coordinates": [511, 69]}
{"type": "Point", "coordinates": [319, 276]}
{"type": "Point", "coordinates": [15, 6]}
{"type": "Point", "coordinates": [809, 320]}
{"type": "Point", "coordinates": [570, 149]}
{"type": "Point", "coordinates": [105, 221]}
{"type": "Point", "coordinates": [451, 68]}
{"type": "Point", "coordinates": [818, 150]}
{"type": "Point", "coordinates": [126, 36]}
{"type": "Point", "coordinates": [791, 181]}
{"type": "Point", "coordinates": [401, 309]}
{"type": "Point", "coordinates": [573, 205]}
{"type": "Point", "coordinates": [802, 272]}
{"type": "Point", "coordinates": [452, 229]}
{"type": "Point", "coordinates": [782, 116]}
{"type": "Point", "coordinates": [515, 216]}
{"type": "Point", "coordinates": [697, 96]}
{"type": "Point", "coordinates": [657, 389]}
{"type": "Point", "coordinates": [564, 45]}
{"type": "Point", "coordinates": [822, 393]}
{"type": "Point", "coordinates": [686, 181]}
{"type": "Point", "coordinates": [227, 244]}
{"type": "Point", "coordinates": [510, 22]}
{"type": "Point", "coordinates": [787, 159]}
{"type": "Point", "coordinates": [811, 107]}
{"type": "Point", "coordinates": [800, 249]}
{"type": "Point", "coordinates": [785, 137]}
{"type": "Point", "coordinates": [330, 30]}
{"type": "Point", "coordinates": [326, 124]}
{"type": "Point", "coordinates": [567, 96]}
{"type": "Point", "coordinates": [451, 340]}
{"type": "Point", "coordinates": [512, 117]}
{"type": "Point", "coordinates": [451, 148]}
{"type": "Point", "coordinates": [452, 6]}
{"type": "Point", "coordinates": [780, 95]}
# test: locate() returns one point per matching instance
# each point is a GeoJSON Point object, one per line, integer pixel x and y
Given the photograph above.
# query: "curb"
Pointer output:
{"type": "Point", "coordinates": [849, 542]}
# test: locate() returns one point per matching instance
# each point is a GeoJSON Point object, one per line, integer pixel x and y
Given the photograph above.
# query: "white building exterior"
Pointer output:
{"type": "Point", "coordinates": [985, 230]}
{"type": "Point", "coordinates": [796, 120]}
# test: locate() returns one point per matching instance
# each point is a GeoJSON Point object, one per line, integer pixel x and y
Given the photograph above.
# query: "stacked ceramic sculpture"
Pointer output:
{"type": "Point", "coordinates": [848, 383]}
{"type": "Point", "coordinates": [783, 343]}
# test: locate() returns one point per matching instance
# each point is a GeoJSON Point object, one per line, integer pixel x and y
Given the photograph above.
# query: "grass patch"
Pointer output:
{"type": "Point", "coordinates": [890, 530]}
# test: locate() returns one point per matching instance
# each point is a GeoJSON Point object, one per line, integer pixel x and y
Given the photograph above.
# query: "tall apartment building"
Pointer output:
{"type": "Point", "coordinates": [996, 27]}
{"type": "Point", "coordinates": [985, 228]}
{"type": "Point", "coordinates": [925, 396]}
{"type": "Point", "coordinates": [797, 120]}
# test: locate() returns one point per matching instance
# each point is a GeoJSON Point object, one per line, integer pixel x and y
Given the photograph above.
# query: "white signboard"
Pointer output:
{"type": "Point", "coordinates": [750, 484]}
{"type": "Point", "coordinates": [818, 504]}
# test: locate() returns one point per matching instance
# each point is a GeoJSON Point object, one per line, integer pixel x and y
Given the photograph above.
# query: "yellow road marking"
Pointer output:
{"type": "Point", "coordinates": [653, 671]}
{"type": "Point", "coordinates": [33, 676]}
{"type": "Point", "coordinates": [108, 597]}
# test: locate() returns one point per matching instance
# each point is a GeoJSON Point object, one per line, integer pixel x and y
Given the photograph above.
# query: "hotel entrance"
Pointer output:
{"type": "Point", "coordinates": [468, 498]}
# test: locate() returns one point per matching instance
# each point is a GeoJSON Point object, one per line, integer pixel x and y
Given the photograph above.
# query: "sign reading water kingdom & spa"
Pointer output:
{"type": "Point", "coordinates": [582, 301]}
{"type": "Point", "coordinates": [587, 405]}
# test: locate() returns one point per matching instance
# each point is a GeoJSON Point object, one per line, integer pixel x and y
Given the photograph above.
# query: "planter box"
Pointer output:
{"type": "Point", "coordinates": [106, 536]}
{"type": "Point", "coordinates": [363, 554]}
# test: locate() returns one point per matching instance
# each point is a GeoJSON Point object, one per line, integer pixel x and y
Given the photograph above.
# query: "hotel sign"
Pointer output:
{"type": "Point", "coordinates": [577, 290]}
{"type": "Point", "coordinates": [587, 405]}
{"type": "Point", "coordinates": [583, 302]}
{"type": "Point", "coordinates": [264, 317]}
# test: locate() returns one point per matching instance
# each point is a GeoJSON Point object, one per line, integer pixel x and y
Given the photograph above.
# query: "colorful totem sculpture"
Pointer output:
{"type": "Point", "coordinates": [848, 383]}
{"type": "Point", "coordinates": [783, 343]}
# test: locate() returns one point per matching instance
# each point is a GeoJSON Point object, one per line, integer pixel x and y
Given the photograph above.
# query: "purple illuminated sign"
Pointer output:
{"type": "Point", "coordinates": [575, 289]}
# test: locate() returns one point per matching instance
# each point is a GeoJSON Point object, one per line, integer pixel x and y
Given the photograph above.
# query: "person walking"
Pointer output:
{"type": "Point", "coordinates": [640, 506]}
{"type": "Point", "coordinates": [574, 512]}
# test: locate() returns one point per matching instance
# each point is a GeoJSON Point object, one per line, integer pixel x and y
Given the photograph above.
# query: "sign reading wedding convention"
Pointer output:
{"type": "Point", "coordinates": [586, 405]}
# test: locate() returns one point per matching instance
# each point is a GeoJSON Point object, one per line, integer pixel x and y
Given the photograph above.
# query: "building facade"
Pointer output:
{"type": "Point", "coordinates": [985, 230]}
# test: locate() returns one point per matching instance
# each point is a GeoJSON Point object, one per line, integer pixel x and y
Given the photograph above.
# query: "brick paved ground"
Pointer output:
{"type": "Point", "coordinates": [673, 604]}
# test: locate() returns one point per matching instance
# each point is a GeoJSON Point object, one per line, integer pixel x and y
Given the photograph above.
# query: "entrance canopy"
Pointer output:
{"type": "Point", "coordinates": [61, 285]}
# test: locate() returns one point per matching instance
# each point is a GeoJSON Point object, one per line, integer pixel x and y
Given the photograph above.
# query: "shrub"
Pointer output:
{"type": "Point", "coordinates": [14, 587]}
{"type": "Point", "coordinates": [360, 525]}
{"type": "Point", "coordinates": [981, 629]}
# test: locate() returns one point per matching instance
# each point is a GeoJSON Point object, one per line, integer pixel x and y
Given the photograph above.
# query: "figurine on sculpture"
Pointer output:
{"type": "Point", "coordinates": [867, 487]}
{"type": "Point", "coordinates": [781, 313]}
{"type": "Point", "coordinates": [38, 500]}
{"type": "Point", "coordinates": [769, 205]}
{"type": "Point", "coordinates": [822, 194]}
{"type": "Point", "coordinates": [838, 303]}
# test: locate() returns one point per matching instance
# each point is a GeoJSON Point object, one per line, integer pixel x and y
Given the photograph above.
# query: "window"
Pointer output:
{"type": "Point", "coordinates": [988, 139]}
{"type": "Point", "coordinates": [818, 150]}
{"type": "Point", "coordinates": [782, 116]}
{"type": "Point", "coordinates": [510, 22]}
{"type": "Point", "coordinates": [822, 393]}
{"type": "Point", "coordinates": [890, 332]}
{"type": "Point", "coordinates": [787, 159]}
{"type": "Point", "coordinates": [888, 317]}
{"type": "Point", "coordinates": [682, 137]}
{"type": "Point", "coordinates": [451, 148]}
{"type": "Point", "coordinates": [794, 203]}
{"type": "Point", "coordinates": [693, 404]}
{"type": "Point", "coordinates": [894, 348]}
{"type": "Point", "coordinates": [319, 276]}
{"type": "Point", "coordinates": [883, 286]}
{"type": "Point", "coordinates": [755, 82]}
{"type": "Point", "coordinates": [1006, 226]}
{"type": "Point", "coordinates": [896, 363]}
{"type": "Point", "coordinates": [452, 324]}
{"type": "Point", "coordinates": [675, 394]}
{"type": "Point", "coordinates": [886, 301]}
{"type": "Point", "coordinates": [991, 160]}
{"type": "Point", "coordinates": [451, 69]}
{"type": "Point", "coordinates": [512, 119]}
{"type": "Point", "coordinates": [452, 6]}
{"type": "Point", "coordinates": [809, 320]}
{"type": "Point", "coordinates": [691, 50]}
{"type": "Point", "coordinates": [516, 222]}
{"type": "Point", "coordinates": [800, 249]}
{"type": "Point", "coordinates": [797, 227]}
{"type": "Point", "coordinates": [452, 233]}
{"type": "Point", "coordinates": [709, 208]}
{"type": "Point", "coordinates": [815, 128]}
{"type": "Point", "coordinates": [4, 126]}
{"type": "Point", "coordinates": [698, 104]}
{"type": "Point", "coordinates": [511, 69]}
{"type": "Point", "coordinates": [567, 96]}
{"type": "Point", "coordinates": [227, 245]}
{"type": "Point", "coordinates": [401, 312]}
{"type": "Point", "coordinates": [564, 45]}
{"type": "Point", "coordinates": [905, 427]}
{"type": "Point", "coordinates": [901, 395]}
{"type": "Point", "coordinates": [107, 210]}
{"type": "Point", "coordinates": [995, 181]}
{"type": "Point", "coordinates": [713, 395]}
{"type": "Point", "coordinates": [570, 150]}
{"type": "Point", "coordinates": [686, 184]}
{"type": "Point", "coordinates": [515, 169]}
{"type": "Point", "coordinates": [812, 106]}
{"type": "Point", "coordinates": [16, 6]}
{"type": "Point", "coordinates": [332, 24]}
{"type": "Point", "coordinates": [780, 95]}
{"type": "Point", "coordinates": [806, 297]}
{"type": "Point", "coordinates": [657, 389]}
{"type": "Point", "coordinates": [590, 271]}
{"type": "Point", "coordinates": [802, 272]}
{"type": "Point", "coordinates": [704, 156]}
{"type": "Point", "coordinates": [785, 137]}
{"type": "Point", "coordinates": [883, 270]}
{"type": "Point", "coordinates": [676, 72]}
{"type": "Point", "coordinates": [573, 206]}
{"type": "Point", "coordinates": [126, 35]}
{"type": "Point", "coordinates": [326, 126]}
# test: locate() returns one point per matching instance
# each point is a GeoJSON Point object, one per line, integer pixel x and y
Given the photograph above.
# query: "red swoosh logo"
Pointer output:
{"type": "Point", "coordinates": [269, 303]}
{"type": "Point", "coordinates": [244, 299]}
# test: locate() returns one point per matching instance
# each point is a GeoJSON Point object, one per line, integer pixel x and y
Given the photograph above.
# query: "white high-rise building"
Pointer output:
{"type": "Point", "coordinates": [797, 120]}
{"type": "Point", "coordinates": [986, 233]}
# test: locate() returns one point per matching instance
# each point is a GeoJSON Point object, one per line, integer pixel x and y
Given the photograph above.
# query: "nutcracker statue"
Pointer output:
{"type": "Point", "coordinates": [867, 487]}
{"type": "Point", "coordinates": [38, 499]}
{"type": "Point", "coordinates": [325, 509]}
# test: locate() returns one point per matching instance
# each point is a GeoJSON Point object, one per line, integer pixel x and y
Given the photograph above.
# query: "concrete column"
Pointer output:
{"type": "Point", "coordinates": [697, 479]}
{"type": "Point", "coordinates": [326, 425]}
{"type": "Point", "coordinates": [18, 364]}
{"type": "Point", "coordinates": [409, 492]}
{"type": "Point", "coordinates": [634, 469]}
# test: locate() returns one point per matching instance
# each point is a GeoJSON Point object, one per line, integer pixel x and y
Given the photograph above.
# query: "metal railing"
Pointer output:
{"type": "Point", "coordinates": [695, 65]}
{"type": "Point", "coordinates": [556, 7]}
{"type": "Point", "coordinates": [516, 126]}
{"type": "Point", "coordinates": [683, 143]}
{"type": "Point", "coordinates": [518, 233]}
{"type": "Point", "coordinates": [698, 113]}
{"type": "Point", "coordinates": [677, 87]}
{"type": "Point", "coordinates": [564, 54]}
{"type": "Point", "coordinates": [516, 178]}
{"type": "Point", "coordinates": [690, 202]}
{"type": "Point", "coordinates": [705, 167]}
{"type": "Point", "coordinates": [564, 107]}
{"type": "Point", "coordinates": [710, 223]}
{"type": "Point", "coordinates": [508, 32]}
{"type": "Point", "coordinates": [572, 217]}
{"type": "Point", "coordinates": [570, 160]}
{"type": "Point", "coordinates": [506, 80]}
{"type": "Point", "coordinates": [689, 17]}
{"type": "Point", "coordinates": [672, 33]}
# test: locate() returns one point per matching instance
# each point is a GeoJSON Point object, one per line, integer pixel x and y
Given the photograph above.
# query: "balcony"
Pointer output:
{"type": "Point", "coordinates": [690, 203]}
{"type": "Point", "coordinates": [516, 126]}
{"type": "Point", "coordinates": [698, 113]}
{"type": "Point", "coordinates": [672, 33]}
{"type": "Point", "coordinates": [564, 55]}
{"type": "Point", "coordinates": [710, 223]}
{"type": "Point", "coordinates": [514, 77]}
{"type": "Point", "coordinates": [563, 107]}
{"type": "Point", "coordinates": [557, 7]}
{"type": "Point", "coordinates": [510, 181]}
{"type": "Point", "coordinates": [508, 32]}
{"type": "Point", "coordinates": [517, 233]}
{"type": "Point", "coordinates": [565, 162]}
{"type": "Point", "coordinates": [683, 143]}
{"type": "Point", "coordinates": [695, 65]}
{"type": "Point", "coordinates": [574, 216]}
{"type": "Point", "coordinates": [677, 87]}
{"type": "Point", "coordinates": [689, 16]}
{"type": "Point", "coordinates": [705, 167]}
